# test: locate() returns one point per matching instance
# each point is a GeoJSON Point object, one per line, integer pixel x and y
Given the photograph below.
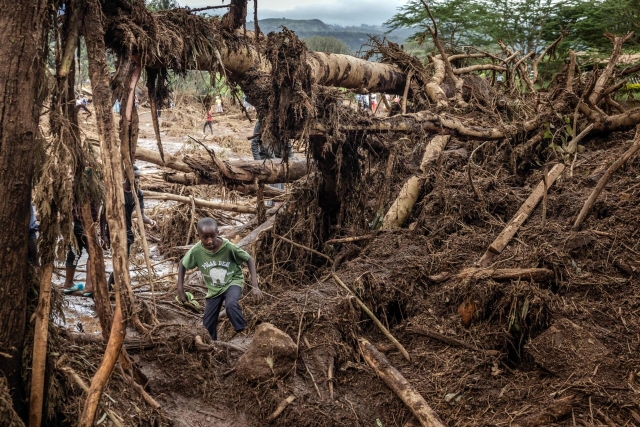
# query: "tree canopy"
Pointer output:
{"type": "Point", "coordinates": [327, 44]}
{"type": "Point", "coordinates": [523, 25]}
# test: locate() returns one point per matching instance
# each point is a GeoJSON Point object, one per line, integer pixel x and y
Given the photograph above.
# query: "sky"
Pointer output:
{"type": "Point", "coordinates": [340, 12]}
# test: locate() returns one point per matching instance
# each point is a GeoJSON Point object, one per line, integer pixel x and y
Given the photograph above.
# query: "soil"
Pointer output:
{"type": "Point", "coordinates": [531, 347]}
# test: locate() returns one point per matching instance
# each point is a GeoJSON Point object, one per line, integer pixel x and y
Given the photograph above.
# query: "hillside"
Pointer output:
{"type": "Point", "coordinates": [353, 36]}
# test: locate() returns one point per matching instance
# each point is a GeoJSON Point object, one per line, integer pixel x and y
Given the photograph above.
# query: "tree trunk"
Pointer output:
{"type": "Point", "coordinates": [21, 73]}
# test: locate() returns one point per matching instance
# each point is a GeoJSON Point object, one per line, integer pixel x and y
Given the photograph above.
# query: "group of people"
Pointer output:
{"type": "Point", "coordinates": [370, 102]}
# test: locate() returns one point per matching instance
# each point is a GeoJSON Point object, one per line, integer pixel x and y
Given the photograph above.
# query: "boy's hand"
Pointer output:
{"type": "Point", "coordinates": [182, 296]}
{"type": "Point", "coordinates": [257, 295]}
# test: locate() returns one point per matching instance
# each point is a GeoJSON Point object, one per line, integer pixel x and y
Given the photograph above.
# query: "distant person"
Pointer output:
{"type": "Point", "coordinates": [208, 122]}
{"type": "Point", "coordinates": [136, 101]}
{"type": "Point", "coordinates": [33, 236]}
{"type": "Point", "coordinates": [261, 152]}
{"type": "Point", "coordinates": [73, 255]}
{"type": "Point", "coordinates": [129, 208]}
{"type": "Point", "coordinates": [374, 103]}
{"type": "Point", "coordinates": [218, 106]}
{"type": "Point", "coordinates": [116, 106]}
{"type": "Point", "coordinates": [220, 263]}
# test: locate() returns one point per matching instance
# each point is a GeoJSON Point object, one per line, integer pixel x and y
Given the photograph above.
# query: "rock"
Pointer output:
{"type": "Point", "coordinates": [272, 353]}
{"type": "Point", "coordinates": [569, 349]}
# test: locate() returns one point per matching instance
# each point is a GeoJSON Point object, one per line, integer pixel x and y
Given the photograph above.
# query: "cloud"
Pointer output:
{"type": "Point", "coordinates": [355, 12]}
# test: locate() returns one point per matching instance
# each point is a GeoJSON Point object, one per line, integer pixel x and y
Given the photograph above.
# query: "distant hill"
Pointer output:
{"type": "Point", "coordinates": [353, 36]}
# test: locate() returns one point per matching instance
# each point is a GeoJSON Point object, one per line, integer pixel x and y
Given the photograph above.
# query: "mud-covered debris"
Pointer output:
{"type": "Point", "coordinates": [272, 353]}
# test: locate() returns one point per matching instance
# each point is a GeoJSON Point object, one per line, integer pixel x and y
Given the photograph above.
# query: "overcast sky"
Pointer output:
{"type": "Point", "coordinates": [341, 12]}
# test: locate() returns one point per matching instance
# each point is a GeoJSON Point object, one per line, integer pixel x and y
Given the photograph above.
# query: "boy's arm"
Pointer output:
{"type": "Point", "coordinates": [145, 218]}
{"type": "Point", "coordinates": [255, 293]}
{"type": "Point", "coordinates": [181, 272]}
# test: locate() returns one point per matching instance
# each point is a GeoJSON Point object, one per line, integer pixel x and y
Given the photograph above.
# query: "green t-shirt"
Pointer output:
{"type": "Point", "coordinates": [220, 269]}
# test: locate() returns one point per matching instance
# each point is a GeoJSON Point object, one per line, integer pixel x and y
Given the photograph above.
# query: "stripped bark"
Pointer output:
{"type": "Point", "coordinates": [400, 386]}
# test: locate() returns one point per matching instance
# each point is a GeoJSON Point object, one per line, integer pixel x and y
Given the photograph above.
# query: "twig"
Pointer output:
{"type": "Point", "coordinates": [314, 380]}
{"type": "Point", "coordinates": [304, 247]}
{"type": "Point", "coordinates": [588, 204]}
{"type": "Point", "coordinates": [380, 326]}
{"type": "Point", "coordinates": [211, 414]}
{"type": "Point", "coordinates": [544, 195]}
{"type": "Point", "coordinates": [200, 9]}
{"type": "Point", "coordinates": [349, 239]}
{"type": "Point", "coordinates": [281, 406]}
{"type": "Point", "coordinates": [447, 340]}
{"type": "Point", "coordinates": [406, 92]}
{"type": "Point", "coordinates": [300, 324]}
{"type": "Point", "coordinates": [193, 219]}
{"type": "Point", "coordinates": [138, 388]}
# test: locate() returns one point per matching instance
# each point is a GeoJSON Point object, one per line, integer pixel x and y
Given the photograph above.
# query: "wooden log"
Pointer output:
{"type": "Point", "coordinates": [536, 274]}
{"type": "Point", "coordinates": [401, 208]}
{"type": "Point", "coordinates": [400, 386]}
{"type": "Point", "coordinates": [185, 178]}
{"type": "Point", "coordinates": [40, 340]}
{"type": "Point", "coordinates": [519, 218]}
{"type": "Point", "coordinates": [588, 204]}
{"type": "Point", "coordinates": [253, 236]}
{"type": "Point", "coordinates": [202, 203]}
{"type": "Point", "coordinates": [265, 171]}
{"type": "Point", "coordinates": [379, 324]}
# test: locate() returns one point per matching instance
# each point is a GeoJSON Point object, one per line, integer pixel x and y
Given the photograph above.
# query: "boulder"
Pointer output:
{"type": "Point", "coordinates": [272, 353]}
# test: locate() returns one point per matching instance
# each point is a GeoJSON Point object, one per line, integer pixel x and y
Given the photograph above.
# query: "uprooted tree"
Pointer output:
{"type": "Point", "coordinates": [292, 90]}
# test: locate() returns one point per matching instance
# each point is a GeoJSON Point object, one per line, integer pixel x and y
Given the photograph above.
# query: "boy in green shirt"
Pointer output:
{"type": "Point", "coordinates": [220, 263]}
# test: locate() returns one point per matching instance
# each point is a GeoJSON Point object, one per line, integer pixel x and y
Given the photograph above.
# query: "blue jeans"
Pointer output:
{"type": "Point", "coordinates": [234, 312]}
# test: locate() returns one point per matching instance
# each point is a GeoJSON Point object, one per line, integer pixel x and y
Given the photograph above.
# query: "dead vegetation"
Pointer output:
{"type": "Point", "coordinates": [429, 267]}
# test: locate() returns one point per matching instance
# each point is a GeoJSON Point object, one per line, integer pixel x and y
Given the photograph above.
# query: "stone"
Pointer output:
{"type": "Point", "coordinates": [272, 353]}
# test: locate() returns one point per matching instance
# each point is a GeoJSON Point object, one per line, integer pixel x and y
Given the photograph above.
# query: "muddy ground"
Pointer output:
{"type": "Point", "coordinates": [559, 351]}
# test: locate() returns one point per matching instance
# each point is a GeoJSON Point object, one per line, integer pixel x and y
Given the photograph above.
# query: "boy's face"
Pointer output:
{"type": "Point", "coordinates": [208, 236]}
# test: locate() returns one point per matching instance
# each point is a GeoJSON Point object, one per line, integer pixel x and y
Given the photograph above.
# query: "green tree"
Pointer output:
{"type": "Point", "coordinates": [327, 44]}
{"type": "Point", "coordinates": [156, 5]}
{"type": "Point", "coordinates": [521, 24]}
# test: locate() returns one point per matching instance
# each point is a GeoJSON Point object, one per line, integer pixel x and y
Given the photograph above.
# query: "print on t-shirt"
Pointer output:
{"type": "Point", "coordinates": [217, 271]}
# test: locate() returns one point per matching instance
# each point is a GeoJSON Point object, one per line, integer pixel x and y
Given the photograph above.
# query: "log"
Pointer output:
{"type": "Point", "coordinates": [253, 236]}
{"type": "Point", "coordinates": [201, 203]}
{"type": "Point", "coordinates": [588, 204]}
{"type": "Point", "coordinates": [380, 326]}
{"type": "Point", "coordinates": [265, 171]}
{"type": "Point", "coordinates": [40, 341]}
{"type": "Point", "coordinates": [191, 178]}
{"type": "Point", "coordinates": [399, 385]}
{"type": "Point", "coordinates": [401, 208]}
{"type": "Point", "coordinates": [519, 218]}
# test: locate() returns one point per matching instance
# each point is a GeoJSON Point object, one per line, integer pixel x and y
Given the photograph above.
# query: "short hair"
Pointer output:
{"type": "Point", "coordinates": [135, 168]}
{"type": "Point", "coordinates": [206, 222]}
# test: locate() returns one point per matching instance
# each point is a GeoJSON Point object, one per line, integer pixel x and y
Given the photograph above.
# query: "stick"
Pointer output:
{"type": "Point", "coordinates": [349, 239]}
{"type": "Point", "coordinates": [447, 340]}
{"type": "Point", "coordinates": [281, 406]}
{"type": "Point", "coordinates": [138, 388]}
{"type": "Point", "coordinates": [519, 218]}
{"type": "Point", "coordinates": [40, 347]}
{"type": "Point", "coordinates": [406, 92]}
{"type": "Point", "coordinates": [201, 203]}
{"type": "Point", "coordinates": [253, 236]}
{"type": "Point", "coordinates": [384, 330]}
{"type": "Point", "coordinates": [76, 378]}
{"type": "Point", "coordinates": [193, 220]}
{"type": "Point", "coordinates": [545, 172]}
{"type": "Point", "coordinates": [588, 204]}
{"type": "Point", "coordinates": [399, 385]}
{"type": "Point", "coordinates": [330, 378]}
{"type": "Point", "coordinates": [304, 247]}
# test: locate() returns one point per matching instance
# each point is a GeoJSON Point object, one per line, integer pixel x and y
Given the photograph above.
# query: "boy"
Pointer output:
{"type": "Point", "coordinates": [220, 263]}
